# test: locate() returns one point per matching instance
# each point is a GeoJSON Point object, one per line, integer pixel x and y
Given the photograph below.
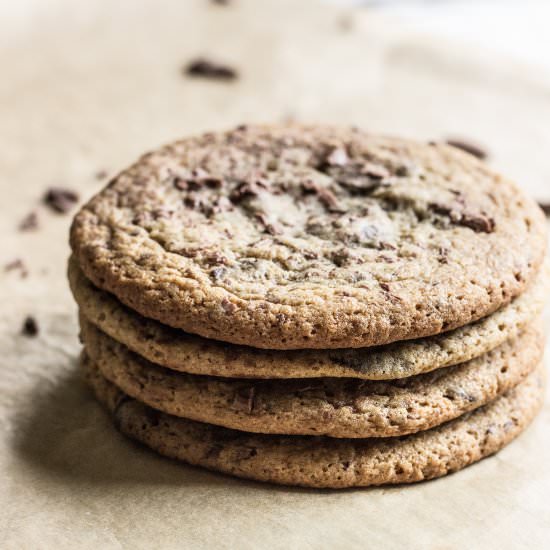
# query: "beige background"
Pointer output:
{"type": "Point", "coordinates": [87, 86]}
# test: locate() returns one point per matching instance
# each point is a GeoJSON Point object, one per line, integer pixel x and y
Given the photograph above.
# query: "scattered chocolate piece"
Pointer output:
{"type": "Point", "coordinates": [30, 327]}
{"type": "Point", "coordinates": [101, 175]}
{"type": "Point", "coordinates": [29, 222]}
{"type": "Point", "coordinates": [469, 147]}
{"type": "Point", "coordinates": [209, 69]}
{"type": "Point", "coordinates": [545, 206]}
{"type": "Point", "coordinates": [19, 265]}
{"type": "Point", "coordinates": [221, 2]}
{"type": "Point", "coordinates": [60, 199]}
{"type": "Point", "coordinates": [385, 287]}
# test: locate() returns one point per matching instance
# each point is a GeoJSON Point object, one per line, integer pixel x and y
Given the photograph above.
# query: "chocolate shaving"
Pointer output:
{"type": "Point", "coordinates": [468, 147]}
{"type": "Point", "coordinates": [271, 228]}
{"type": "Point", "coordinates": [205, 68]}
{"type": "Point", "coordinates": [215, 258]}
{"type": "Point", "coordinates": [60, 199]}
{"type": "Point", "coordinates": [29, 222]}
{"type": "Point", "coordinates": [247, 189]}
{"type": "Point", "coordinates": [30, 327]}
{"type": "Point", "coordinates": [480, 223]}
{"type": "Point", "coordinates": [326, 196]}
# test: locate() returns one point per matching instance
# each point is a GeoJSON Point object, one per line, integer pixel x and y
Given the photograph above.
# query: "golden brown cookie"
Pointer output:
{"type": "Point", "coordinates": [310, 237]}
{"type": "Point", "coordinates": [326, 462]}
{"type": "Point", "coordinates": [323, 406]}
{"type": "Point", "coordinates": [185, 352]}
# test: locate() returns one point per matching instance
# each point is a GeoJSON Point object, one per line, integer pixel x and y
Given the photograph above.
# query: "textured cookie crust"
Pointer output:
{"type": "Point", "coordinates": [324, 406]}
{"type": "Point", "coordinates": [325, 462]}
{"type": "Point", "coordinates": [185, 352]}
{"type": "Point", "coordinates": [310, 237]}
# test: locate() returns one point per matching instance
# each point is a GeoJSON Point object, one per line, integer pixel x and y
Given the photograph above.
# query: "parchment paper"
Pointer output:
{"type": "Point", "coordinates": [88, 86]}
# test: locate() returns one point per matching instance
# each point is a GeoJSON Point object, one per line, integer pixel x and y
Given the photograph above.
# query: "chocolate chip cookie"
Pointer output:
{"type": "Point", "coordinates": [310, 237]}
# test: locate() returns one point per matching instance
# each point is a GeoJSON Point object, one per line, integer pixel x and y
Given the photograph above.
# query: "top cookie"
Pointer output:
{"type": "Point", "coordinates": [310, 237]}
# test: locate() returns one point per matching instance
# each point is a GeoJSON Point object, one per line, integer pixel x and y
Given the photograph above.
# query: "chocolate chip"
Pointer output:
{"type": "Point", "coordinates": [545, 206]}
{"type": "Point", "coordinates": [385, 287]}
{"type": "Point", "coordinates": [479, 223]}
{"type": "Point", "coordinates": [60, 199]}
{"type": "Point", "coordinates": [270, 227]}
{"type": "Point", "coordinates": [30, 327]}
{"type": "Point", "coordinates": [228, 307]}
{"type": "Point", "coordinates": [205, 68]}
{"type": "Point", "coordinates": [215, 258]}
{"type": "Point", "coordinates": [468, 147]}
{"type": "Point", "coordinates": [29, 222]}
{"type": "Point", "coordinates": [17, 265]}
{"type": "Point", "coordinates": [247, 189]}
{"type": "Point", "coordinates": [443, 255]}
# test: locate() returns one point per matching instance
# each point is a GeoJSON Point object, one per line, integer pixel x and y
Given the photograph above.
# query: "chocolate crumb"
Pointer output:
{"type": "Point", "coordinates": [60, 199]}
{"type": "Point", "coordinates": [228, 307]}
{"type": "Point", "coordinates": [205, 68]}
{"type": "Point", "coordinates": [29, 222]}
{"type": "Point", "coordinates": [18, 265]}
{"type": "Point", "coordinates": [468, 147]}
{"type": "Point", "coordinates": [545, 207]}
{"type": "Point", "coordinates": [385, 287]}
{"type": "Point", "coordinates": [100, 175]}
{"type": "Point", "coordinates": [30, 327]}
{"type": "Point", "coordinates": [221, 2]}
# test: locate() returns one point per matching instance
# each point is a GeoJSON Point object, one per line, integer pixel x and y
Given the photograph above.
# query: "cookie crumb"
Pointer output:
{"type": "Point", "coordinates": [206, 68]}
{"type": "Point", "coordinates": [17, 265]}
{"type": "Point", "coordinates": [59, 199]}
{"type": "Point", "coordinates": [469, 147]}
{"type": "Point", "coordinates": [30, 327]}
{"type": "Point", "coordinates": [29, 222]}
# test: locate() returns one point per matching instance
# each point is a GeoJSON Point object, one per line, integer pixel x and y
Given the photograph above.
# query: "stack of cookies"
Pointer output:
{"type": "Point", "coordinates": [313, 306]}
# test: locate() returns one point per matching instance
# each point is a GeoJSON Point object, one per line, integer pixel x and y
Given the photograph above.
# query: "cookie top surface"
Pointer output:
{"type": "Point", "coordinates": [310, 237]}
{"type": "Point", "coordinates": [186, 352]}
{"type": "Point", "coordinates": [324, 406]}
{"type": "Point", "coordinates": [325, 462]}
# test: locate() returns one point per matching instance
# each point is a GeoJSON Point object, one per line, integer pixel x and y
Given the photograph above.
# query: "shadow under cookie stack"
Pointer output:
{"type": "Point", "coordinates": [313, 306]}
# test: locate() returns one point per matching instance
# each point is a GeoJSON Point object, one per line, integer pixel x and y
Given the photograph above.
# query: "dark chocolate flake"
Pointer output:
{"type": "Point", "coordinates": [60, 199]}
{"type": "Point", "coordinates": [205, 68]}
{"type": "Point", "coordinates": [468, 147]}
{"type": "Point", "coordinates": [29, 222]}
{"type": "Point", "coordinates": [30, 327]}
